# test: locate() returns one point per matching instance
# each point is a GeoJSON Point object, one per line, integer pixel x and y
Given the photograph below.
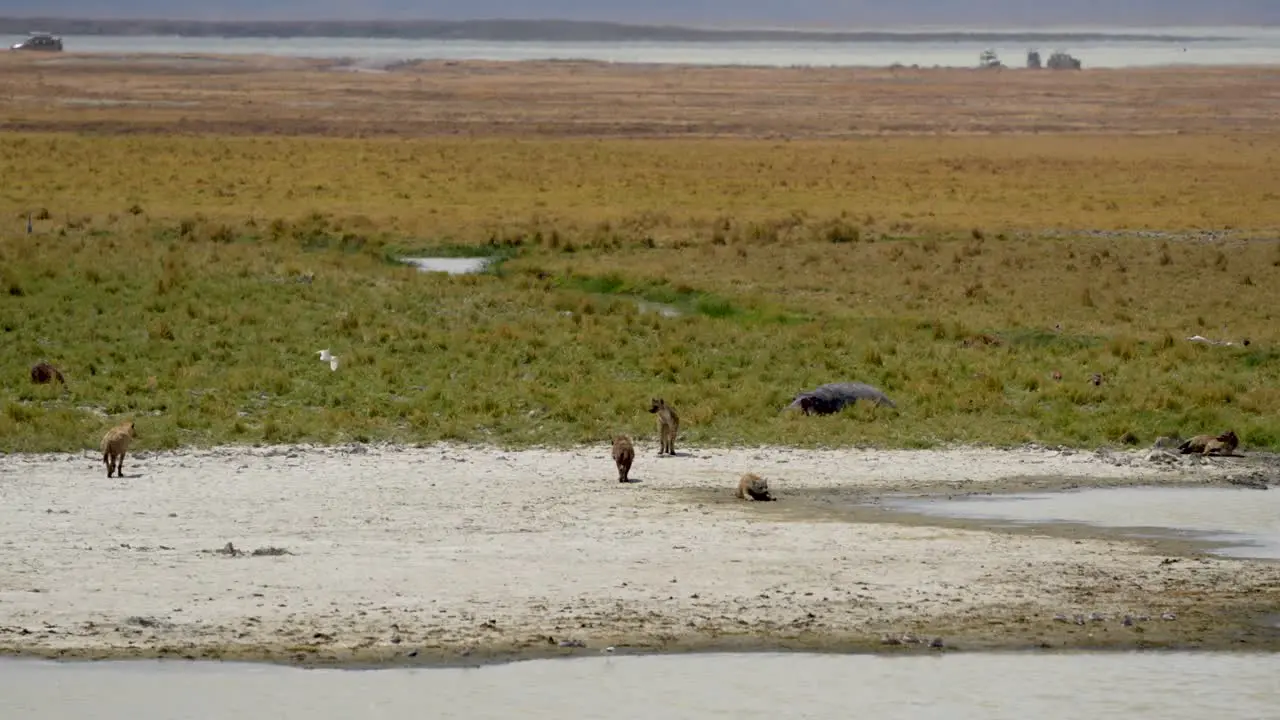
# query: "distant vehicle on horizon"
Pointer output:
{"type": "Point", "coordinates": [39, 41]}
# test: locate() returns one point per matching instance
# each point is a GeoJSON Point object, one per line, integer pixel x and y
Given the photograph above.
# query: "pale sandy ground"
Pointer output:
{"type": "Point", "coordinates": [420, 555]}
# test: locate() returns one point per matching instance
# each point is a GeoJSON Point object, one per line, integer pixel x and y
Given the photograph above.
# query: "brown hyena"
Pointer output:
{"type": "Point", "coordinates": [114, 445]}
{"type": "Point", "coordinates": [44, 373]}
{"type": "Point", "coordinates": [1224, 444]}
{"type": "Point", "coordinates": [623, 455]}
{"type": "Point", "coordinates": [753, 487]}
{"type": "Point", "coordinates": [668, 425]}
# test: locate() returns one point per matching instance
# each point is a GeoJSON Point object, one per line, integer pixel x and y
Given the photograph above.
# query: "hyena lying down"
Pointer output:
{"type": "Point", "coordinates": [753, 487]}
{"type": "Point", "coordinates": [1224, 444]}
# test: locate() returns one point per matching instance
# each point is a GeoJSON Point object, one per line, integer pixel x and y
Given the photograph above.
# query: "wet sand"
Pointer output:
{"type": "Point", "coordinates": [460, 555]}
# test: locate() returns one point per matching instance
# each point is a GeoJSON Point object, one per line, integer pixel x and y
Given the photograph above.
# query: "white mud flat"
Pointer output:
{"type": "Point", "coordinates": [445, 553]}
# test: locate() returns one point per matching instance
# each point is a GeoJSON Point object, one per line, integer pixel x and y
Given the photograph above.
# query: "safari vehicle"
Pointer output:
{"type": "Point", "coordinates": [40, 41]}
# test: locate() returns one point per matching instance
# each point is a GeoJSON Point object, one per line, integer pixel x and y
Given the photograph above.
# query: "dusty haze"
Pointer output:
{"type": "Point", "coordinates": [835, 13]}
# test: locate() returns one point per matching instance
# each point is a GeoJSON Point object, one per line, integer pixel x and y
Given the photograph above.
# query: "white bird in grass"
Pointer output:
{"type": "Point", "coordinates": [332, 359]}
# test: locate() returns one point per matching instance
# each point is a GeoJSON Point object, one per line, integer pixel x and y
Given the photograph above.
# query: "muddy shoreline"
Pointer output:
{"type": "Point", "coordinates": [456, 556]}
{"type": "Point", "coordinates": [1203, 628]}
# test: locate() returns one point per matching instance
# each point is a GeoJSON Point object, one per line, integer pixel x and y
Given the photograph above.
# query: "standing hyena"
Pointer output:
{"type": "Point", "coordinates": [668, 425]}
{"type": "Point", "coordinates": [114, 445]}
{"type": "Point", "coordinates": [623, 455]}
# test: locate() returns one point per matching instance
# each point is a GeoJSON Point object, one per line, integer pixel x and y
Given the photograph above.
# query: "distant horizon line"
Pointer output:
{"type": "Point", "coordinates": [816, 26]}
{"type": "Point", "coordinates": [599, 30]}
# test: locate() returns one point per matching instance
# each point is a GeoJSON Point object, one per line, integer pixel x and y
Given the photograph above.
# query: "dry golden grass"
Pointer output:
{"type": "Point", "coordinates": [669, 189]}
{"type": "Point", "coordinates": [956, 272]}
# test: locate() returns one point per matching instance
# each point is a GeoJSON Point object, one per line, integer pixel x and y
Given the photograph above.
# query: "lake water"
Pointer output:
{"type": "Point", "coordinates": [1245, 46]}
{"type": "Point", "coordinates": [1247, 519]}
{"type": "Point", "coordinates": [962, 686]}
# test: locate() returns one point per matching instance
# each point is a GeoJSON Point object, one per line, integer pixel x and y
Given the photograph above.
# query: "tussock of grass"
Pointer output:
{"type": "Point", "coordinates": [494, 251]}
{"type": "Point", "coordinates": [203, 322]}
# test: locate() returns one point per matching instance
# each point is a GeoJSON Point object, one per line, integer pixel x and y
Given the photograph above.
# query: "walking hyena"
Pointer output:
{"type": "Point", "coordinates": [623, 455]}
{"type": "Point", "coordinates": [114, 444]}
{"type": "Point", "coordinates": [668, 425]}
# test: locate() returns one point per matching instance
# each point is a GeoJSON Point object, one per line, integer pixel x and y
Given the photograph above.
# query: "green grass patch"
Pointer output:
{"type": "Point", "coordinates": [681, 299]}
{"type": "Point", "coordinates": [193, 296]}
{"type": "Point", "coordinates": [205, 341]}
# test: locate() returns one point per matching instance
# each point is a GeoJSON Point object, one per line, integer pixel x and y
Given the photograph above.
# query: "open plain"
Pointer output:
{"type": "Point", "coordinates": [451, 554]}
{"type": "Point", "coordinates": [350, 98]}
{"type": "Point", "coordinates": [183, 234]}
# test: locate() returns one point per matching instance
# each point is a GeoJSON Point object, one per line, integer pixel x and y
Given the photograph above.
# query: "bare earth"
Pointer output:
{"type": "Point", "coordinates": [454, 554]}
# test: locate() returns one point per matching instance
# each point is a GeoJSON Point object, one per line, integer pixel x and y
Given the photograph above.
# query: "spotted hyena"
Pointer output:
{"type": "Point", "coordinates": [114, 445]}
{"type": "Point", "coordinates": [668, 425]}
{"type": "Point", "coordinates": [623, 455]}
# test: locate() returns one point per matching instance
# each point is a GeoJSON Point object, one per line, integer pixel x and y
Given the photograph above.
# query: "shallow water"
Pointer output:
{"type": "Point", "coordinates": [662, 309]}
{"type": "Point", "coordinates": [1244, 46]}
{"type": "Point", "coordinates": [1170, 686]}
{"type": "Point", "coordinates": [1247, 519]}
{"type": "Point", "coordinates": [451, 265]}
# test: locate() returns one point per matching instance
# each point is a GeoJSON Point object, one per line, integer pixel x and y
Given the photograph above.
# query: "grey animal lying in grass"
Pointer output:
{"type": "Point", "coordinates": [832, 397]}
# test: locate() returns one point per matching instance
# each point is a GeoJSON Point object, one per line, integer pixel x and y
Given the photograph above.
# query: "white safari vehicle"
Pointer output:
{"type": "Point", "coordinates": [40, 41]}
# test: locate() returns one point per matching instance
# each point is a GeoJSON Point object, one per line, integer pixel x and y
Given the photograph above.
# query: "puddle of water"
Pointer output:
{"type": "Point", "coordinates": [660, 308]}
{"type": "Point", "coordinates": [1170, 686]}
{"type": "Point", "coordinates": [1247, 520]}
{"type": "Point", "coordinates": [451, 265]}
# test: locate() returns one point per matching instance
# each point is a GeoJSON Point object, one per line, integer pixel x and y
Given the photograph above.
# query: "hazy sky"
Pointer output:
{"type": "Point", "coordinates": [844, 13]}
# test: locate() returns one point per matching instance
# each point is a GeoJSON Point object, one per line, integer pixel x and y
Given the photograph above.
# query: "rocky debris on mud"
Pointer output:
{"type": "Point", "coordinates": [1255, 479]}
{"type": "Point", "coordinates": [1096, 617]}
{"type": "Point", "coordinates": [230, 550]}
{"type": "Point", "coordinates": [909, 639]}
